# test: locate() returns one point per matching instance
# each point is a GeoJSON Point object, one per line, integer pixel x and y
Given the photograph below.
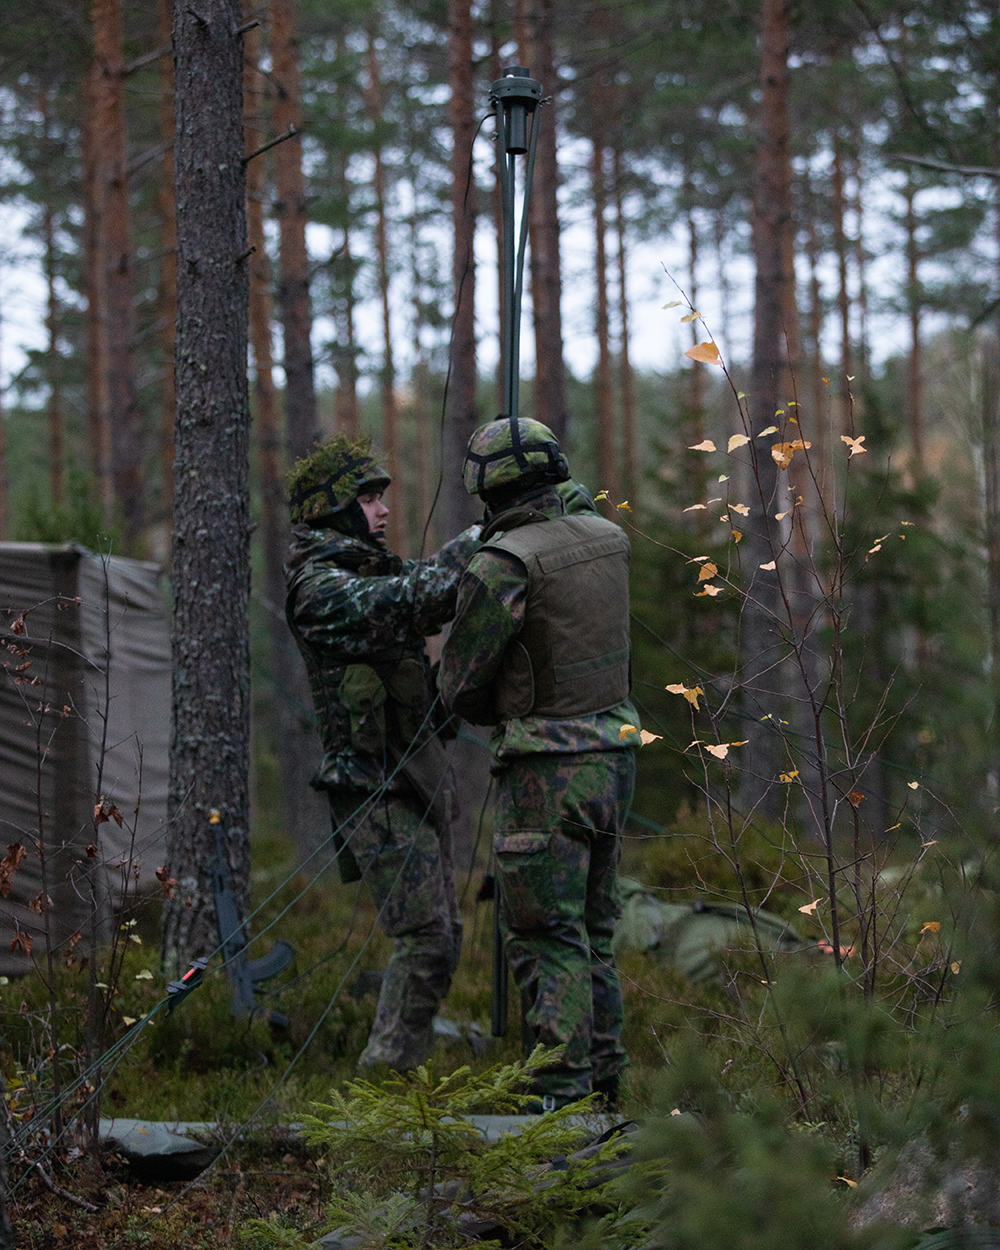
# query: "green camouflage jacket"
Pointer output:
{"type": "Point", "coordinates": [490, 612]}
{"type": "Point", "coordinates": [360, 616]}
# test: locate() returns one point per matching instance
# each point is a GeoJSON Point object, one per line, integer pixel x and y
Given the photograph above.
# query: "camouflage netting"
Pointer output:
{"type": "Point", "coordinates": [84, 637]}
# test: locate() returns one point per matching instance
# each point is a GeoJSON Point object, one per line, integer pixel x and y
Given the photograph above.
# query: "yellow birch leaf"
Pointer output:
{"type": "Point", "coordinates": [718, 500]}
{"type": "Point", "coordinates": [645, 737]}
{"type": "Point", "coordinates": [740, 395]}
{"type": "Point", "coordinates": [780, 516]}
{"type": "Point", "coordinates": [809, 908]}
{"type": "Point", "coordinates": [144, 975]}
{"type": "Point", "coordinates": [707, 445]}
{"type": "Point", "coordinates": [737, 535]}
{"type": "Point", "coordinates": [779, 412]}
{"type": "Point", "coordinates": [931, 926]}
{"type": "Point", "coordinates": [691, 316]}
{"type": "Point", "coordinates": [788, 778]}
{"type": "Point", "coordinates": [907, 522]}
{"type": "Point", "coordinates": [674, 303]}
{"type": "Point", "coordinates": [707, 353]}
{"type": "Point", "coordinates": [626, 731]}
{"type": "Point", "coordinates": [913, 785]}
{"type": "Point", "coordinates": [129, 1020]}
{"type": "Point", "coordinates": [933, 842]}
{"type": "Point", "coordinates": [697, 507]}
{"type": "Point", "coordinates": [956, 966]}
{"type": "Point", "coordinates": [601, 494]}
{"type": "Point", "coordinates": [783, 452]}
{"type": "Point", "coordinates": [742, 743]}
{"type": "Point", "coordinates": [847, 1181]}
{"type": "Point", "coordinates": [724, 477]}
{"type": "Point", "coordinates": [623, 506]}
{"type": "Point", "coordinates": [719, 750]}
{"type": "Point", "coordinates": [771, 564]}
{"type": "Point", "coordinates": [872, 550]}
{"type": "Point", "coordinates": [709, 590]}
{"type": "Point", "coordinates": [741, 508]}
{"type": "Point", "coordinates": [854, 444]}
{"type": "Point", "coordinates": [707, 572]}
{"type": "Point", "coordinates": [771, 429]}
{"type": "Point", "coordinates": [692, 693]}
{"type": "Point", "coordinates": [737, 440]}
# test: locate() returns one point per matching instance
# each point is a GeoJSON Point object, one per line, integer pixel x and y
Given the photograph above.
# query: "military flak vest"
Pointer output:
{"type": "Point", "coordinates": [572, 656]}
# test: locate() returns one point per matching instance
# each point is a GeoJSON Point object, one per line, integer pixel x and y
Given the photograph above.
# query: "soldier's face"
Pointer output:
{"type": "Point", "coordinates": [375, 512]}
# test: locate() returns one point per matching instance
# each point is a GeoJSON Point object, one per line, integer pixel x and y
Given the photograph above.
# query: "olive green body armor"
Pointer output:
{"type": "Point", "coordinates": [572, 656]}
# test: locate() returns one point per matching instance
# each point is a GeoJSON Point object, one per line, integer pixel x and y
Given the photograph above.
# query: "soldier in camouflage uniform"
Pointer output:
{"type": "Point", "coordinates": [360, 615]}
{"type": "Point", "coordinates": [540, 650]}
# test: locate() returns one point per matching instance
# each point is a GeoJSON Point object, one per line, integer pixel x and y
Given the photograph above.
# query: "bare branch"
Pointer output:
{"type": "Point", "coordinates": [290, 133]}
{"type": "Point", "coordinates": [970, 171]}
{"type": "Point", "coordinates": [148, 59]}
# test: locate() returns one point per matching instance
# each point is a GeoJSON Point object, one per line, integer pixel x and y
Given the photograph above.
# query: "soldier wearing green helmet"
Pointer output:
{"type": "Point", "coordinates": [360, 615]}
{"type": "Point", "coordinates": [539, 649]}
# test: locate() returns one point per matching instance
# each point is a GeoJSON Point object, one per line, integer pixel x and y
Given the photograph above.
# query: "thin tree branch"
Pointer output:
{"type": "Point", "coordinates": [150, 154]}
{"type": "Point", "coordinates": [63, 1193]}
{"type": "Point", "coordinates": [970, 171]}
{"type": "Point", "coordinates": [148, 59]}
{"type": "Point", "coordinates": [290, 133]}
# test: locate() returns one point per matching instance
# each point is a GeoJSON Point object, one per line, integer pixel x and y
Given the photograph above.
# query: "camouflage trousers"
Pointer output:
{"type": "Point", "coordinates": [406, 865]}
{"type": "Point", "coordinates": [558, 818]}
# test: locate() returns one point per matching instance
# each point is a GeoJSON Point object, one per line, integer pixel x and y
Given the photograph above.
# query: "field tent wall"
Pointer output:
{"type": "Point", "coordinates": [84, 724]}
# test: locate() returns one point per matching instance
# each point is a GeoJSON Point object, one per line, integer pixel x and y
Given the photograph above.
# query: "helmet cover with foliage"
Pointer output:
{"type": "Point", "coordinates": [504, 452]}
{"type": "Point", "coordinates": [325, 483]}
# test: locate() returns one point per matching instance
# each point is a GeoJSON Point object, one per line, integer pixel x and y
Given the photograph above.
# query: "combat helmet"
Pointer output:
{"type": "Point", "coordinates": [323, 485]}
{"type": "Point", "coordinates": [505, 452]}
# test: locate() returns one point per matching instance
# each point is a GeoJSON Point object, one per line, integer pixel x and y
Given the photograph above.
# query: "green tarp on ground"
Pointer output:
{"type": "Point", "coordinates": [691, 936]}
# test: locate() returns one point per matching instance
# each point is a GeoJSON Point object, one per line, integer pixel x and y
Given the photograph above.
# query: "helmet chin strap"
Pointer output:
{"type": "Point", "coordinates": [515, 97]}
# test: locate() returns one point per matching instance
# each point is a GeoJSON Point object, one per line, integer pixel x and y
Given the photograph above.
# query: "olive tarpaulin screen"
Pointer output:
{"type": "Point", "coordinates": [84, 725]}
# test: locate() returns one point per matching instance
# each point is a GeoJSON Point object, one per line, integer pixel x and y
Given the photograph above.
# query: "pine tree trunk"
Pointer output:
{"type": "Point", "coordinates": [843, 293]}
{"type": "Point", "coordinates": [304, 812]}
{"type": "Point", "coordinates": [114, 255]}
{"type": "Point", "coordinates": [291, 209]}
{"type": "Point", "coordinates": [52, 327]}
{"type": "Point", "coordinates": [346, 412]}
{"type": "Point", "coordinates": [604, 416]}
{"type": "Point", "coordinates": [462, 417]}
{"type": "Point", "coordinates": [773, 352]}
{"type": "Point", "coordinates": [209, 749]}
{"type": "Point", "coordinates": [915, 374]}
{"type": "Point", "coordinates": [549, 389]}
{"type": "Point", "coordinates": [695, 473]}
{"type": "Point", "coordinates": [166, 297]}
{"type": "Point", "coordinates": [626, 382]}
{"type": "Point", "coordinates": [818, 422]}
{"type": "Point", "coordinates": [4, 471]}
{"type": "Point", "coordinates": [95, 154]}
{"type": "Point", "coordinates": [387, 374]}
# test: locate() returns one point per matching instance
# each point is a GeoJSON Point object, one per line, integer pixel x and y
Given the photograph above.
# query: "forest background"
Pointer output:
{"type": "Point", "coordinates": [821, 182]}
